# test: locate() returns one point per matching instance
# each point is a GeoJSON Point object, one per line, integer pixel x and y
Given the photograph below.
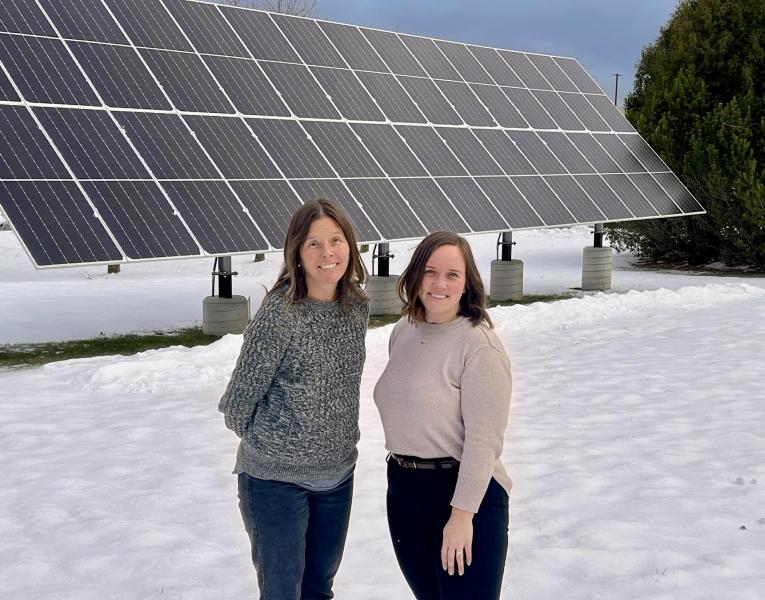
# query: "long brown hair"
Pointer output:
{"type": "Point", "coordinates": [292, 277]}
{"type": "Point", "coordinates": [472, 302]}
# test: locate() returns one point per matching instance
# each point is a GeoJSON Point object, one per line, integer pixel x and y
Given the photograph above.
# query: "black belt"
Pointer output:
{"type": "Point", "coordinates": [415, 462]}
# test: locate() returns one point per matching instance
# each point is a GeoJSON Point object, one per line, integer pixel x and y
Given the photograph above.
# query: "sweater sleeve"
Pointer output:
{"type": "Point", "coordinates": [486, 386]}
{"type": "Point", "coordinates": [265, 342]}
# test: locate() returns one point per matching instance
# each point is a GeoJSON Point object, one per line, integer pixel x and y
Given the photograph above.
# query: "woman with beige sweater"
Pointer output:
{"type": "Point", "coordinates": [444, 399]}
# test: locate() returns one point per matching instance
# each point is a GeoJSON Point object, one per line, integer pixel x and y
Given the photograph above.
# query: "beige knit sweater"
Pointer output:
{"type": "Point", "coordinates": [446, 392]}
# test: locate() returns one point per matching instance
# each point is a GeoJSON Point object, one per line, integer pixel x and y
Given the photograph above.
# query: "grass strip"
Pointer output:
{"type": "Point", "coordinates": [21, 355]}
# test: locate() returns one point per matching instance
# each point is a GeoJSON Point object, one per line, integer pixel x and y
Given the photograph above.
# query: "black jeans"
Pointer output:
{"type": "Point", "coordinates": [297, 536]}
{"type": "Point", "coordinates": [418, 508]}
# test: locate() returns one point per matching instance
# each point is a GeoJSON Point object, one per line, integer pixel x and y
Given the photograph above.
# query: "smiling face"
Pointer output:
{"type": "Point", "coordinates": [443, 283]}
{"type": "Point", "coordinates": [324, 258]}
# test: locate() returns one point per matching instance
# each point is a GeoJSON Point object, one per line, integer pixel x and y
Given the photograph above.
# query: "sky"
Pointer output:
{"type": "Point", "coordinates": [606, 36]}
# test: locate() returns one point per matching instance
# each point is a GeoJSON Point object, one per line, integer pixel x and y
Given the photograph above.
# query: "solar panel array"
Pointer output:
{"type": "Point", "coordinates": [144, 129]}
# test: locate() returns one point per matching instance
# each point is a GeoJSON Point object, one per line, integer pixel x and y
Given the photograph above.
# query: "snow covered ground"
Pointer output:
{"type": "Point", "coordinates": [636, 439]}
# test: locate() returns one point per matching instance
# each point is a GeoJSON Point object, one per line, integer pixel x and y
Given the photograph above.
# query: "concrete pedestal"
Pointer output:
{"type": "Point", "coordinates": [225, 315]}
{"type": "Point", "coordinates": [597, 265]}
{"type": "Point", "coordinates": [506, 280]}
{"type": "Point", "coordinates": [383, 298]}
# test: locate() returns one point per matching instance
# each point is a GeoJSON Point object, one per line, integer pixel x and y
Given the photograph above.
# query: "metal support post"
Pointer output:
{"type": "Point", "coordinates": [598, 238]}
{"type": "Point", "coordinates": [507, 244]}
{"type": "Point", "coordinates": [225, 277]}
{"type": "Point", "coordinates": [383, 256]}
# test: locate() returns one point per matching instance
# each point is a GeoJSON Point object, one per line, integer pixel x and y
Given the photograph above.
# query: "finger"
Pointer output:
{"type": "Point", "coordinates": [451, 558]}
{"type": "Point", "coordinates": [460, 555]}
{"type": "Point", "coordinates": [468, 554]}
{"type": "Point", "coordinates": [443, 558]}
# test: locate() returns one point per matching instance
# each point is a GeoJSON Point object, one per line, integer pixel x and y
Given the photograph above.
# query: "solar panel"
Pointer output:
{"type": "Point", "coordinates": [149, 129]}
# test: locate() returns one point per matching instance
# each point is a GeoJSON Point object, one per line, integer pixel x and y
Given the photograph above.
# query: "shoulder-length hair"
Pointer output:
{"type": "Point", "coordinates": [292, 278]}
{"type": "Point", "coordinates": [472, 302]}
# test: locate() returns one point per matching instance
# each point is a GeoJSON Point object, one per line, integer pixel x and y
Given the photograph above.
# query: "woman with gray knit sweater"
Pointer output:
{"type": "Point", "coordinates": [293, 399]}
{"type": "Point", "coordinates": [444, 399]}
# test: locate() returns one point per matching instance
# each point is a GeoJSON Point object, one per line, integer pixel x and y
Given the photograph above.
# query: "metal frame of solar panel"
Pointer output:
{"type": "Point", "coordinates": [156, 129]}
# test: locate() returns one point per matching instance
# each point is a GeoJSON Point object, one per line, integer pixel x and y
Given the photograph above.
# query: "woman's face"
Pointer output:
{"type": "Point", "coordinates": [443, 284]}
{"type": "Point", "coordinates": [324, 258]}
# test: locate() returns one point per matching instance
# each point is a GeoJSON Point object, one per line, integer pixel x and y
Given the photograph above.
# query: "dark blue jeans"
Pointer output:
{"type": "Point", "coordinates": [296, 535]}
{"type": "Point", "coordinates": [418, 508]}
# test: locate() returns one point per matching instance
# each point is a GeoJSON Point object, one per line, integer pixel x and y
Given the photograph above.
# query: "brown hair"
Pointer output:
{"type": "Point", "coordinates": [292, 277]}
{"type": "Point", "coordinates": [472, 302]}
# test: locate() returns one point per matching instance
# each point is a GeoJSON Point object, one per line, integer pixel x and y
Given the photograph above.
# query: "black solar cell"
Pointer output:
{"type": "Point", "coordinates": [141, 218]}
{"type": "Point", "coordinates": [187, 82]}
{"type": "Point", "coordinates": [300, 90]}
{"type": "Point", "coordinates": [525, 69]}
{"type": "Point", "coordinates": [391, 97]}
{"type": "Point", "coordinates": [215, 216]}
{"type": "Point", "coordinates": [353, 47]}
{"type": "Point", "coordinates": [309, 41]}
{"type": "Point", "coordinates": [148, 24]}
{"type": "Point", "coordinates": [56, 223]}
{"type": "Point", "coordinates": [206, 28]}
{"type": "Point", "coordinates": [509, 202]}
{"type": "Point", "coordinates": [167, 146]}
{"type": "Point", "coordinates": [575, 199]}
{"type": "Point", "coordinates": [25, 153]}
{"type": "Point", "coordinates": [543, 200]}
{"type": "Point", "coordinates": [466, 103]}
{"type": "Point", "coordinates": [466, 64]}
{"type": "Point", "coordinates": [425, 51]}
{"type": "Point", "coordinates": [119, 76]}
{"type": "Point", "coordinates": [348, 94]}
{"type": "Point", "coordinates": [550, 70]}
{"type": "Point", "coordinates": [343, 150]}
{"type": "Point", "coordinates": [233, 147]}
{"type": "Point", "coordinates": [91, 143]}
{"type": "Point", "coordinates": [291, 149]}
{"type": "Point", "coordinates": [474, 206]}
{"type": "Point", "coordinates": [246, 86]}
{"type": "Point", "coordinates": [431, 102]}
{"type": "Point", "coordinates": [430, 204]}
{"type": "Point", "coordinates": [263, 39]}
{"type": "Point", "coordinates": [24, 16]}
{"type": "Point", "coordinates": [469, 151]}
{"type": "Point", "coordinates": [578, 75]}
{"type": "Point", "coordinates": [271, 204]}
{"type": "Point", "coordinates": [431, 150]}
{"type": "Point", "coordinates": [501, 73]}
{"type": "Point", "coordinates": [394, 53]}
{"type": "Point", "coordinates": [390, 150]}
{"type": "Point", "coordinates": [84, 20]}
{"type": "Point", "coordinates": [44, 71]}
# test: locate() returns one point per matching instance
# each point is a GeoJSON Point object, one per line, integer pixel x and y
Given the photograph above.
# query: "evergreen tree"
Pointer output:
{"type": "Point", "coordinates": [699, 100]}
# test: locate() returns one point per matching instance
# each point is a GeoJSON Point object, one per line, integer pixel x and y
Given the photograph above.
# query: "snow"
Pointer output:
{"type": "Point", "coordinates": [636, 438]}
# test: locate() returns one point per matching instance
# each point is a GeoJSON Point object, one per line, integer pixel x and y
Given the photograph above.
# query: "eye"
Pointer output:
{"type": "Point", "coordinates": [429, 272]}
{"type": "Point", "coordinates": [312, 244]}
{"type": "Point", "coordinates": [453, 275]}
{"type": "Point", "coordinates": [337, 241]}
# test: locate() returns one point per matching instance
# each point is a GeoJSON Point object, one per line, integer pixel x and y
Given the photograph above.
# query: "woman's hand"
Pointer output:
{"type": "Point", "coordinates": [457, 544]}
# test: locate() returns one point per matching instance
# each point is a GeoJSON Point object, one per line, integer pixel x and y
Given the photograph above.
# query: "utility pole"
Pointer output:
{"type": "Point", "coordinates": [616, 88]}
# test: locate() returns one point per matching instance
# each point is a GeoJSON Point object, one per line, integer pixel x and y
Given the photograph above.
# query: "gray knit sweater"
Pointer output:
{"type": "Point", "coordinates": [293, 397]}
